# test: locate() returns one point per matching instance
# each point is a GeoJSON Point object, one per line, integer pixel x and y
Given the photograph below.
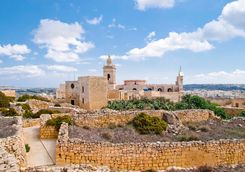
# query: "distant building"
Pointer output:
{"type": "Point", "coordinates": [93, 92]}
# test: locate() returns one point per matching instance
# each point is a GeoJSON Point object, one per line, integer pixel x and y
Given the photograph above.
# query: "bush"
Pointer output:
{"type": "Point", "coordinates": [56, 122]}
{"type": "Point", "coordinates": [242, 114]}
{"type": "Point", "coordinates": [146, 124]}
{"type": "Point", "coordinates": [57, 105]}
{"type": "Point", "coordinates": [27, 147]}
{"type": "Point", "coordinates": [188, 137]}
{"type": "Point", "coordinates": [4, 101]}
{"type": "Point", "coordinates": [25, 97]}
{"type": "Point", "coordinates": [9, 112]}
{"type": "Point", "coordinates": [45, 111]}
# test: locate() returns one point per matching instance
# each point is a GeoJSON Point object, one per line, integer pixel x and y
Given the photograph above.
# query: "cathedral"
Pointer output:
{"type": "Point", "coordinates": [94, 92]}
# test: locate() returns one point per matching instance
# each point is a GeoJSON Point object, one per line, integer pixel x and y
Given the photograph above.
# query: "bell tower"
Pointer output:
{"type": "Point", "coordinates": [109, 71]}
{"type": "Point", "coordinates": [180, 78]}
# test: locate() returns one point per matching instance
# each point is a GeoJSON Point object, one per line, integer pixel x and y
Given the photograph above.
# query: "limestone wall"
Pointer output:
{"type": "Point", "coordinates": [144, 156]}
{"type": "Point", "coordinates": [8, 161]}
{"type": "Point", "coordinates": [31, 122]}
{"type": "Point", "coordinates": [37, 105]}
{"type": "Point", "coordinates": [233, 111]}
{"type": "Point", "coordinates": [9, 93]}
{"type": "Point", "coordinates": [106, 117]}
{"type": "Point", "coordinates": [15, 144]}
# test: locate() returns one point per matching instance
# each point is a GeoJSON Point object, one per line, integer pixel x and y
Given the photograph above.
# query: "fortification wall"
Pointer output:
{"type": "Point", "coordinates": [144, 156]}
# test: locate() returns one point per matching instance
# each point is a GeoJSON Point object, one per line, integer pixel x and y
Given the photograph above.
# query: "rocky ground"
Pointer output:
{"type": "Point", "coordinates": [206, 130]}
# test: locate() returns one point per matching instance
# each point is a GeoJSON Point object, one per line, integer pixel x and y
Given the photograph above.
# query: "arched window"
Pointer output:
{"type": "Point", "coordinates": [170, 90]}
{"type": "Point", "coordinates": [72, 86]}
{"type": "Point", "coordinates": [134, 89]}
{"type": "Point", "coordinates": [159, 89]}
{"type": "Point", "coordinates": [108, 77]}
{"type": "Point", "coordinates": [120, 89]}
{"type": "Point", "coordinates": [149, 89]}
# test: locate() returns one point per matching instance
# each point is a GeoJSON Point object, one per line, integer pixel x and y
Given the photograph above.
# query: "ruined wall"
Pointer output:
{"type": "Point", "coordinates": [8, 161]}
{"type": "Point", "coordinates": [233, 111]}
{"type": "Point", "coordinates": [145, 156]}
{"type": "Point", "coordinates": [15, 144]}
{"type": "Point", "coordinates": [106, 117]}
{"type": "Point", "coordinates": [31, 122]}
{"type": "Point", "coordinates": [37, 105]}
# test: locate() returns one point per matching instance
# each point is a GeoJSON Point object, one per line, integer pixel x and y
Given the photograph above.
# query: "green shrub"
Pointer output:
{"type": "Point", "coordinates": [28, 114]}
{"type": "Point", "coordinates": [56, 122]}
{"type": "Point", "coordinates": [9, 112]}
{"type": "Point", "coordinates": [25, 97]}
{"type": "Point", "coordinates": [146, 124]}
{"type": "Point", "coordinates": [26, 107]}
{"type": "Point", "coordinates": [27, 147]}
{"type": "Point", "coordinates": [188, 137]}
{"type": "Point", "coordinates": [44, 111]}
{"type": "Point", "coordinates": [242, 114]}
{"type": "Point", "coordinates": [4, 100]}
{"type": "Point", "coordinates": [57, 105]}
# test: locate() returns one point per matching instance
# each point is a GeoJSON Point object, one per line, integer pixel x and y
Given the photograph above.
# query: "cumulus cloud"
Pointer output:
{"type": "Point", "coordinates": [61, 68]}
{"type": "Point", "coordinates": [145, 4]}
{"type": "Point", "coordinates": [236, 76]}
{"type": "Point", "coordinates": [230, 24]}
{"type": "Point", "coordinates": [16, 51]}
{"type": "Point", "coordinates": [22, 71]}
{"type": "Point", "coordinates": [64, 42]}
{"type": "Point", "coordinates": [95, 21]}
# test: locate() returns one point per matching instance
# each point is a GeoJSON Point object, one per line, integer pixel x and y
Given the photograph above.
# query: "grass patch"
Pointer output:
{"type": "Point", "coordinates": [56, 122]}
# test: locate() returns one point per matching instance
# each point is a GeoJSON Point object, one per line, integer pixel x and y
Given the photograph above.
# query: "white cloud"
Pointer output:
{"type": "Point", "coordinates": [114, 24]}
{"type": "Point", "coordinates": [61, 68]}
{"type": "Point", "coordinates": [22, 71]}
{"type": "Point", "coordinates": [145, 4]}
{"type": "Point", "coordinates": [95, 21]}
{"type": "Point", "coordinates": [236, 76]}
{"type": "Point", "coordinates": [64, 42]}
{"type": "Point", "coordinates": [230, 24]}
{"type": "Point", "coordinates": [93, 70]}
{"type": "Point", "coordinates": [16, 51]}
{"type": "Point", "coordinates": [150, 37]}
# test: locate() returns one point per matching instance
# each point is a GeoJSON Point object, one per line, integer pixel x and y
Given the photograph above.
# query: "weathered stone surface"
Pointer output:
{"type": "Point", "coordinates": [8, 161]}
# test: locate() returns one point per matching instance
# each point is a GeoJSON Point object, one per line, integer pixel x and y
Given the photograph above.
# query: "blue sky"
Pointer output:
{"type": "Point", "coordinates": [46, 42]}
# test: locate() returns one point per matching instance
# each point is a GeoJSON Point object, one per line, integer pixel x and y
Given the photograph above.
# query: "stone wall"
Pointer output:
{"type": "Point", "coordinates": [145, 156]}
{"type": "Point", "coordinates": [31, 122]}
{"type": "Point", "coordinates": [233, 111]}
{"type": "Point", "coordinates": [105, 117]}
{"type": "Point", "coordinates": [15, 144]}
{"type": "Point", "coordinates": [8, 161]}
{"type": "Point", "coordinates": [37, 105]}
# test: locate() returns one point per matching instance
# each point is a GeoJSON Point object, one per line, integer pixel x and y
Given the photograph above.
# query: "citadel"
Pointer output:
{"type": "Point", "coordinates": [94, 92]}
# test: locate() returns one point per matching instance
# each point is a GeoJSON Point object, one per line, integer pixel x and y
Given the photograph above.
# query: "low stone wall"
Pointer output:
{"type": "Point", "coordinates": [106, 117]}
{"type": "Point", "coordinates": [194, 115]}
{"type": "Point", "coordinates": [145, 156]}
{"type": "Point", "coordinates": [233, 111]}
{"type": "Point", "coordinates": [31, 122]}
{"type": "Point", "coordinates": [37, 105]}
{"type": "Point", "coordinates": [48, 132]}
{"type": "Point", "coordinates": [8, 161]}
{"type": "Point", "coordinates": [15, 144]}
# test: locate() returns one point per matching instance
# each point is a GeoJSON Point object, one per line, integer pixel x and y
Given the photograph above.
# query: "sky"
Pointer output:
{"type": "Point", "coordinates": [46, 42]}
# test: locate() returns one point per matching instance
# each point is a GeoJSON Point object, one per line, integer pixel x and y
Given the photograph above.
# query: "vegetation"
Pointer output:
{"type": "Point", "coordinates": [242, 114]}
{"type": "Point", "coordinates": [188, 137]}
{"type": "Point", "coordinates": [158, 103]}
{"type": "Point", "coordinates": [56, 122]}
{"type": "Point", "coordinates": [146, 124]}
{"type": "Point", "coordinates": [29, 114]}
{"type": "Point", "coordinates": [9, 112]}
{"type": "Point", "coordinates": [27, 147]}
{"type": "Point", "coordinates": [4, 100]}
{"type": "Point", "coordinates": [57, 105]}
{"type": "Point", "coordinates": [187, 102]}
{"type": "Point", "coordinates": [26, 97]}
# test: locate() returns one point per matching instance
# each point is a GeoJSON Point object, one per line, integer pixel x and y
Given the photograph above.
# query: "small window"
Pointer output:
{"type": "Point", "coordinates": [108, 77]}
{"type": "Point", "coordinates": [159, 89]}
{"type": "Point", "coordinates": [134, 89]}
{"type": "Point", "coordinates": [83, 100]}
{"type": "Point", "coordinates": [72, 86]}
{"type": "Point", "coordinates": [73, 102]}
{"type": "Point", "coordinates": [82, 89]}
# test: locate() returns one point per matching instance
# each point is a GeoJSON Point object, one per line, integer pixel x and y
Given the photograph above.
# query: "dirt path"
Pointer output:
{"type": "Point", "coordinates": [42, 152]}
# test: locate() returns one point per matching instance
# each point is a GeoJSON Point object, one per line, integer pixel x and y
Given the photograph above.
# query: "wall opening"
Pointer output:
{"type": "Point", "coordinates": [134, 89]}
{"type": "Point", "coordinates": [82, 89]}
{"type": "Point", "coordinates": [159, 89]}
{"type": "Point", "coordinates": [108, 77]}
{"type": "Point", "coordinates": [170, 90]}
{"type": "Point", "coordinates": [73, 102]}
{"type": "Point", "coordinates": [83, 100]}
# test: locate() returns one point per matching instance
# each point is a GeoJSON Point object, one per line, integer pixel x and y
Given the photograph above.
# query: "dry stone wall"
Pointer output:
{"type": "Point", "coordinates": [15, 144]}
{"type": "Point", "coordinates": [105, 117]}
{"type": "Point", "coordinates": [144, 156]}
{"type": "Point", "coordinates": [8, 161]}
{"type": "Point", "coordinates": [31, 122]}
